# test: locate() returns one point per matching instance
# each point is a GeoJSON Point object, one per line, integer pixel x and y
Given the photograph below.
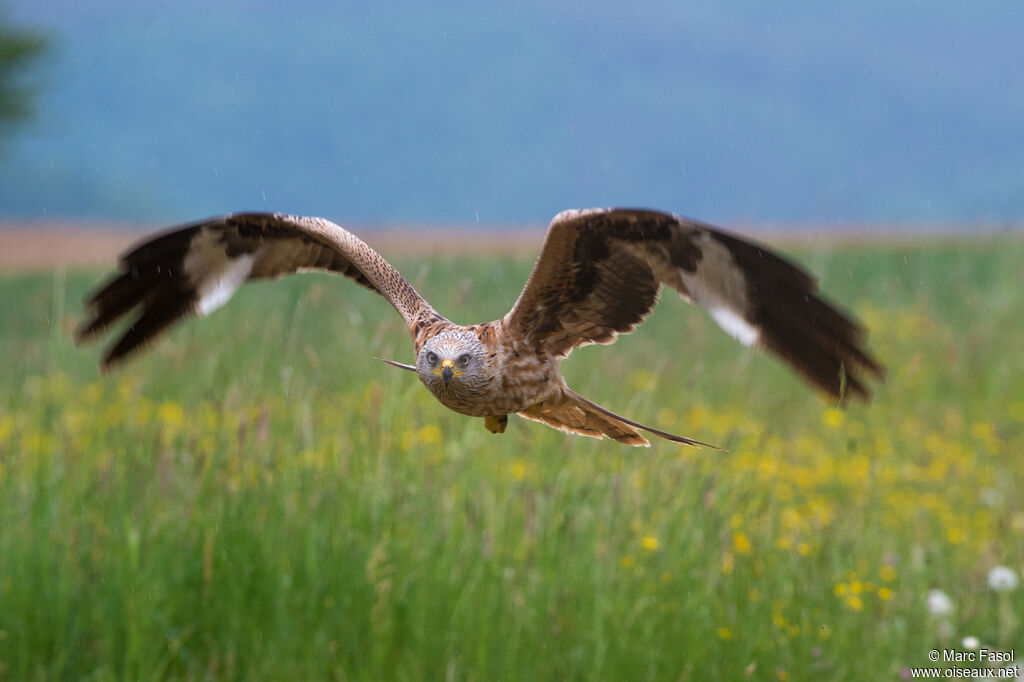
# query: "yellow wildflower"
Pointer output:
{"type": "Point", "coordinates": [171, 415]}
{"type": "Point", "coordinates": [955, 535]}
{"type": "Point", "coordinates": [740, 542]}
{"type": "Point", "coordinates": [833, 417]}
{"type": "Point", "coordinates": [429, 434]}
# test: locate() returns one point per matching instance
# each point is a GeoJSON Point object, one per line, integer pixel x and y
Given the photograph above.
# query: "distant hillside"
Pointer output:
{"type": "Point", "coordinates": [459, 111]}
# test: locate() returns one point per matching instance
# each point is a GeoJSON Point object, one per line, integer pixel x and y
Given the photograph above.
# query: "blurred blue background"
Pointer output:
{"type": "Point", "coordinates": [460, 112]}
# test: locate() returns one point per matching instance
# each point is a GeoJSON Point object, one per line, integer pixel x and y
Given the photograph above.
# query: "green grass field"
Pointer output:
{"type": "Point", "coordinates": [259, 499]}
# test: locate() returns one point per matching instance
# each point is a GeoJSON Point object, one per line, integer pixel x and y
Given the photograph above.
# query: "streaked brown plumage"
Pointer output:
{"type": "Point", "coordinates": [598, 275]}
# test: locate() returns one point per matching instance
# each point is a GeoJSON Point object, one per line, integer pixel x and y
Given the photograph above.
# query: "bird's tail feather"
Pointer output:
{"type": "Point", "coordinates": [575, 414]}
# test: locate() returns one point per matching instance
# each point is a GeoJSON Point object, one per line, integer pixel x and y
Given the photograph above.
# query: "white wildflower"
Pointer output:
{"type": "Point", "coordinates": [990, 497]}
{"type": "Point", "coordinates": [970, 643]}
{"type": "Point", "coordinates": [1002, 579]}
{"type": "Point", "coordinates": [939, 604]}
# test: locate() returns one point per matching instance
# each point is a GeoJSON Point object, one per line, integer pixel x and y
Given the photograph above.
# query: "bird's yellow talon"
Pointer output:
{"type": "Point", "coordinates": [496, 424]}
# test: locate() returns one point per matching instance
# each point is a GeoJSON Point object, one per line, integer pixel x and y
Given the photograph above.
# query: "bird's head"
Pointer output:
{"type": "Point", "coordinates": [452, 363]}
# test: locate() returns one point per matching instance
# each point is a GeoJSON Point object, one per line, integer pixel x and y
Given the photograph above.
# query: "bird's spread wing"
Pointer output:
{"type": "Point", "coordinates": [600, 271]}
{"type": "Point", "coordinates": [195, 269]}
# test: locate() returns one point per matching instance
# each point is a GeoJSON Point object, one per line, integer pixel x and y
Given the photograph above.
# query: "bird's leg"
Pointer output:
{"type": "Point", "coordinates": [496, 424]}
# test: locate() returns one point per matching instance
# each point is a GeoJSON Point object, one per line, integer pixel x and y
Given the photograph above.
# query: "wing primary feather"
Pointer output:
{"type": "Point", "coordinates": [792, 320]}
{"type": "Point", "coordinates": [167, 246]}
{"type": "Point", "coordinates": [113, 301]}
{"type": "Point", "coordinates": [145, 268]}
{"type": "Point", "coordinates": [600, 270]}
{"type": "Point", "coordinates": [163, 308]}
{"type": "Point", "coordinates": [198, 267]}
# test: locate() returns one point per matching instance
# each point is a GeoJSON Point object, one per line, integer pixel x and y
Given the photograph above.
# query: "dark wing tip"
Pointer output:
{"type": "Point", "coordinates": [151, 278]}
{"type": "Point", "coordinates": [109, 303]}
{"type": "Point", "coordinates": [160, 312]}
{"type": "Point", "coordinates": [822, 344]}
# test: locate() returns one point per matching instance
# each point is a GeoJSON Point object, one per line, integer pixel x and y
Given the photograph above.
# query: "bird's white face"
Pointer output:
{"type": "Point", "coordinates": [452, 365]}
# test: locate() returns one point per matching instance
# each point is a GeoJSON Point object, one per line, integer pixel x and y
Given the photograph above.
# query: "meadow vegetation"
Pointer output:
{"type": "Point", "coordinates": [258, 498]}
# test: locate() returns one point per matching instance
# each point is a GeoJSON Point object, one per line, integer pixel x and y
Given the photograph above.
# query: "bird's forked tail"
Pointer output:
{"type": "Point", "coordinates": [573, 413]}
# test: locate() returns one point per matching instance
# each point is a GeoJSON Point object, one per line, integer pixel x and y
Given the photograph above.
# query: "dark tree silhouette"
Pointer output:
{"type": "Point", "coordinates": [18, 50]}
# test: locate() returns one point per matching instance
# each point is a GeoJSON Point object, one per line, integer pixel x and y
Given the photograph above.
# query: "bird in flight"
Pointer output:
{"type": "Point", "coordinates": [598, 275]}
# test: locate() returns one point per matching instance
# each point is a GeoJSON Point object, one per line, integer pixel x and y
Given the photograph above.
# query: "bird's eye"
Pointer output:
{"type": "Point", "coordinates": [463, 360]}
{"type": "Point", "coordinates": [431, 358]}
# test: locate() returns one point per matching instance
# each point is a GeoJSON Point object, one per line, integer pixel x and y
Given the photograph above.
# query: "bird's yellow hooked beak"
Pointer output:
{"type": "Point", "coordinates": [447, 371]}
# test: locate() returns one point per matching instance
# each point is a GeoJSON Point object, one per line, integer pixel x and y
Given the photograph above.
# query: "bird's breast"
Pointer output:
{"type": "Point", "coordinates": [514, 382]}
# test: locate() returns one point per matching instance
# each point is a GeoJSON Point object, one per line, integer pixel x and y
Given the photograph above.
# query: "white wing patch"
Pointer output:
{"type": "Point", "coordinates": [717, 285]}
{"type": "Point", "coordinates": [720, 286]}
{"type": "Point", "coordinates": [215, 276]}
{"type": "Point", "coordinates": [735, 326]}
